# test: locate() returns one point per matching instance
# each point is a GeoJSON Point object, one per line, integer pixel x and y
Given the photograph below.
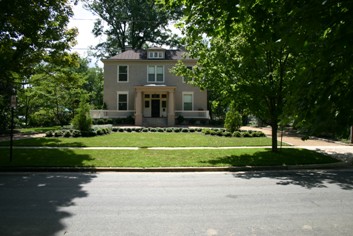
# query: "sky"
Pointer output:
{"type": "Point", "coordinates": [84, 20]}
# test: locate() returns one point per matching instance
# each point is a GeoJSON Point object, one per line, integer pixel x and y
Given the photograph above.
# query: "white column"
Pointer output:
{"type": "Point", "coordinates": [171, 108]}
{"type": "Point", "coordinates": [138, 108]}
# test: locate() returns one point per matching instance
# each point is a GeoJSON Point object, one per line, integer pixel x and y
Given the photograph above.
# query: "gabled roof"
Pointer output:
{"type": "Point", "coordinates": [142, 55]}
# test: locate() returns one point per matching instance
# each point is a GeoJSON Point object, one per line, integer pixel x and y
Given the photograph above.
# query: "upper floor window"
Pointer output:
{"type": "Point", "coordinates": [155, 55]}
{"type": "Point", "coordinates": [123, 73]}
{"type": "Point", "coordinates": [155, 74]}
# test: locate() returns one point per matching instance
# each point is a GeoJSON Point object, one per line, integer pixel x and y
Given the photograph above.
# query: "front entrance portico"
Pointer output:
{"type": "Point", "coordinates": [155, 101]}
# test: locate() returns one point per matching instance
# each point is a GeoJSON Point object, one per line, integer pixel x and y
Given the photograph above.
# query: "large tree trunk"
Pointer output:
{"type": "Point", "coordinates": [274, 126]}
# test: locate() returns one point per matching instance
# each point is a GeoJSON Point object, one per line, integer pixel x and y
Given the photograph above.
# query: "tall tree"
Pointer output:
{"type": "Point", "coordinates": [246, 58]}
{"type": "Point", "coordinates": [321, 102]}
{"type": "Point", "coordinates": [53, 93]}
{"type": "Point", "coordinates": [29, 32]}
{"type": "Point", "coordinates": [131, 22]}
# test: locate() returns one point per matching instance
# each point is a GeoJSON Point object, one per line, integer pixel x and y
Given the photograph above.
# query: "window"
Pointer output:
{"type": "Point", "coordinates": [156, 55]}
{"type": "Point", "coordinates": [122, 101]}
{"type": "Point", "coordinates": [123, 73]}
{"type": "Point", "coordinates": [188, 101]}
{"type": "Point", "coordinates": [155, 74]}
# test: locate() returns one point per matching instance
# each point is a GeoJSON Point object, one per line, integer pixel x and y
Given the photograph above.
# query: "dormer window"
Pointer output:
{"type": "Point", "coordinates": [156, 54]}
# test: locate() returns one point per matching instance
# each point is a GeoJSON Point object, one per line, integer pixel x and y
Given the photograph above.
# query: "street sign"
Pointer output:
{"type": "Point", "coordinates": [13, 101]}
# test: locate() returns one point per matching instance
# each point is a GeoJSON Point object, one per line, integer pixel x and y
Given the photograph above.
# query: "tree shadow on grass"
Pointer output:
{"type": "Point", "coordinates": [44, 158]}
{"type": "Point", "coordinates": [39, 203]}
{"type": "Point", "coordinates": [284, 157]}
{"type": "Point", "coordinates": [38, 142]}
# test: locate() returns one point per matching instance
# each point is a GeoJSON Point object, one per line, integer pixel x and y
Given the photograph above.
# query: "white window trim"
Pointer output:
{"type": "Point", "coordinates": [156, 55]}
{"type": "Point", "coordinates": [127, 100]}
{"type": "Point", "coordinates": [128, 72]}
{"type": "Point", "coordinates": [155, 74]}
{"type": "Point", "coordinates": [188, 93]}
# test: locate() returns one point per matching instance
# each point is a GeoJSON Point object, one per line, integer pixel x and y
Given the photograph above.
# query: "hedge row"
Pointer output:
{"type": "Point", "coordinates": [158, 129]}
{"type": "Point", "coordinates": [77, 133]}
{"type": "Point", "coordinates": [238, 133]}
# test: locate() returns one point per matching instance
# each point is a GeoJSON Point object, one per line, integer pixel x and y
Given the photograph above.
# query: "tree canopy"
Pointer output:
{"type": "Point", "coordinates": [273, 56]}
{"type": "Point", "coordinates": [131, 22]}
{"type": "Point", "coordinates": [30, 32]}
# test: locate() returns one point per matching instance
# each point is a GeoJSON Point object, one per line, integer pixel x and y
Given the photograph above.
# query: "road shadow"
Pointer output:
{"type": "Point", "coordinates": [35, 203]}
{"type": "Point", "coordinates": [305, 178]}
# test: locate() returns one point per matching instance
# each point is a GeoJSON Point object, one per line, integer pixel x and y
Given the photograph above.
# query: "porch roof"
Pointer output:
{"type": "Point", "coordinates": [155, 88]}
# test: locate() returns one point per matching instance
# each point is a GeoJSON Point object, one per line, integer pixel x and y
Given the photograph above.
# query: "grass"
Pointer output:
{"type": "Point", "coordinates": [145, 140]}
{"type": "Point", "coordinates": [36, 130]}
{"type": "Point", "coordinates": [160, 158]}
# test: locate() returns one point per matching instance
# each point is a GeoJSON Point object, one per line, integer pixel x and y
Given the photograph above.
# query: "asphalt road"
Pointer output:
{"type": "Point", "coordinates": [247, 203]}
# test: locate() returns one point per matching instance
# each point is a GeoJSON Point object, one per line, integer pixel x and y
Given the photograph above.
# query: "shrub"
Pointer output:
{"type": "Point", "coordinates": [185, 130]}
{"type": "Point", "coordinates": [67, 133]}
{"type": "Point", "coordinates": [49, 134]}
{"type": "Point", "coordinates": [58, 133]}
{"type": "Point", "coordinates": [121, 130]}
{"type": "Point", "coordinates": [82, 120]}
{"type": "Point", "coordinates": [169, 130]}
{"type": "Point", "coordinates": [237, 134]}
{"type": "Point", "coordinates": [160, 130]}
{"type": "Point", "coordinates": [128, 130]}
{"type": "Point", "coordinates": [227, 134]}
{"type": "Point", "coordinates": [233, 119]}
{"type": "Point", "coordinates": [145, 130]}
{"type": "Point", "coordinates": [176, 130]}
{"type": "Point", "coordinates": [115, 129]}
{"type": "Point", "coordinates": [153, 130]}
{"type": "Point", "coordinates": [99, 132]}
{"type": "Point", "coordinates": [180, 120]}
{"type": "Point", "coordinates": [76, 133]}
{"type": "Point", "coordinates": [246, 134]}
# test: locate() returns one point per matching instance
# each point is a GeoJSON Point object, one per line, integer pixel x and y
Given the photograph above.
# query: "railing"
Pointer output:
{"type": "Point", "coordinates": [96, 114]}
{"type": "Point", "coordinates": [193, 114]}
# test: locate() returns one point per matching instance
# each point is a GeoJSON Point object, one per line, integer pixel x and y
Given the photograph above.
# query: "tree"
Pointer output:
{"type": "Point", "coordinates": [52, 94]}
{"type": "Point", "coordinates": [131, 22]}
{"type": "Point", "coordinates": [247, 56]}
{"type": "Point", "coordinates": [321, 102]}
{"type": "Point", "coordinates": [30, 31]}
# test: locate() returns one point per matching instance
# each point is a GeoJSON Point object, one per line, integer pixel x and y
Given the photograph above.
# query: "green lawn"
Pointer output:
{"type": "Point", "coordinates": [36, 130]}
{"type": "Point", "coordinates": [160, 158]}
{"type": "Point", "coordinates": [154, 158]}
{"type": "Point", "coordinates": [145, 140]}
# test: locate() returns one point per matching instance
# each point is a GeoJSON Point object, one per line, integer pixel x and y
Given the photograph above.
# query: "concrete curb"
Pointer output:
{"type": "Point", "coordinates": [338, 165]}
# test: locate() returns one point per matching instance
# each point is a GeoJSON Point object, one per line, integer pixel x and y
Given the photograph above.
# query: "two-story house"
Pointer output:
{"type": "Point", "coordinates": [138, 83]}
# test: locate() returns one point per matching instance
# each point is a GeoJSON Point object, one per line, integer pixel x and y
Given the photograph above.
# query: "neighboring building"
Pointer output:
{"type": "Point", "coordinates": [138, 83]}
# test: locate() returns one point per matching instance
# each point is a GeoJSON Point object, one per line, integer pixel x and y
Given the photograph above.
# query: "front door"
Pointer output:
{"type": "Point", "coordinates": [156, 108]}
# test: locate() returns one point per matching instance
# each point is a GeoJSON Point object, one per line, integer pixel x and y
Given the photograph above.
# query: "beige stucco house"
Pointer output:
{"type": "Point", "coordinates": [138, 83]}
